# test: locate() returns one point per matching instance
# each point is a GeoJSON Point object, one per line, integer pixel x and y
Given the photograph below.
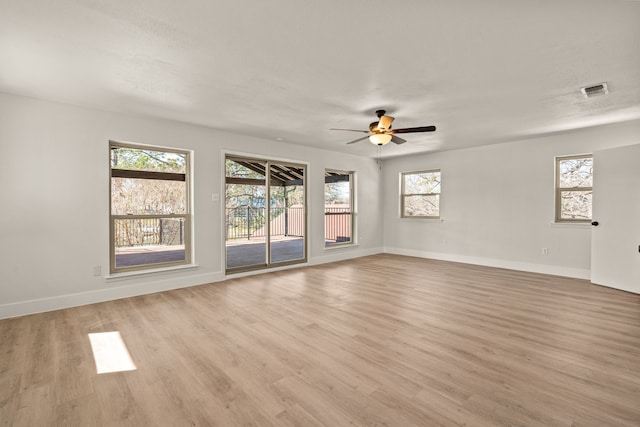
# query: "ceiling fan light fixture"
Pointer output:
{"type": "Point", "coordinates": [380, 138]}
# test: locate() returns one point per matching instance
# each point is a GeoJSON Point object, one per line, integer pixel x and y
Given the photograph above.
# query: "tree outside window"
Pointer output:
{"type": "Point", "coordinates": [420, 194]}
{"type": "Point", "coordinates": [574, 182]}
{"type": "Point", "coordinates": [149, 215]}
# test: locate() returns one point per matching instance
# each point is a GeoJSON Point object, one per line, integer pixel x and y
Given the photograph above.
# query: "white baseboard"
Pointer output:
{"type": "Point", "coordinates": [555, 270]}
{"type": "Point", "coordinates": [151, 286]}
{"type": "Point", "coordinates": [619, 286]}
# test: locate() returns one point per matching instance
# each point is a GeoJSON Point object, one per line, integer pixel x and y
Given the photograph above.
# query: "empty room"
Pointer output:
{"type": "Point", "coordinates": [411, 213]}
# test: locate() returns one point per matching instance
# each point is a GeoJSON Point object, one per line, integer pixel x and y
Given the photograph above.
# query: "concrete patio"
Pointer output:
{"type": "Point", "coordinates": [246, 252]}
{"type": "Point", "coordinates": [239, 253]}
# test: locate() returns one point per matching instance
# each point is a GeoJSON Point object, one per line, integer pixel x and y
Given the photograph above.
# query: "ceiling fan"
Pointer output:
{"type": "Point", "coordinates": [380, 132]}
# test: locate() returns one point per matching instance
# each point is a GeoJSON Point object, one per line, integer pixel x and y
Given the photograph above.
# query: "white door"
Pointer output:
{"type": "Point", "coordinates": [615, 241]}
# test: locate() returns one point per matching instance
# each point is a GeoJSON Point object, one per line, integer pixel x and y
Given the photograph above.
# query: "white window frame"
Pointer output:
{"type": "Point", "coordinates": [186, 217]}
{"type": "Point", "coordinates": [404, 195]}
{"type": "Point", "coordinates": [559, 190]}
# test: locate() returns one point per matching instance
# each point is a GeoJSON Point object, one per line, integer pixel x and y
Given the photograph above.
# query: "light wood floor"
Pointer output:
{"type": "Point", "coordinates": [378, 341]}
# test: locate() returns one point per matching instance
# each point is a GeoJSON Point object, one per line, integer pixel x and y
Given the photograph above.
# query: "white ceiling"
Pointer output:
{"type": "Point", "coordinates": [481, 71]}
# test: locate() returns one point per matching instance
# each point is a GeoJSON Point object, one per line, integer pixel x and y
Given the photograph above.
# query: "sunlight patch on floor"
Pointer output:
{"type": "Point", "coordinates": [110, 353]}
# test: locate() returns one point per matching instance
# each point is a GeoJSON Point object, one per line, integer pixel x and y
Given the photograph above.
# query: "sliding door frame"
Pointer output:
{"type": "Point", "coordinates": [268, 161]}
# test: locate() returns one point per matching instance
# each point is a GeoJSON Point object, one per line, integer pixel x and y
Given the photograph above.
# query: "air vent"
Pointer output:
{"type": "Point", "coordinates": [595, 90]}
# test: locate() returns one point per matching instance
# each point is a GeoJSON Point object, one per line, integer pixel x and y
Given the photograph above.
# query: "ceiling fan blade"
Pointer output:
{"type": "Point", "coordinates": [359, 139]}
{"type": "Point", "coordinates": [351, 130]}
{"type": "Point", "coordinates": [397, 140]}
{"type": "Point", "coordinates": [412, 130]}
{"type": "Point", "coordinates": [385, 123]}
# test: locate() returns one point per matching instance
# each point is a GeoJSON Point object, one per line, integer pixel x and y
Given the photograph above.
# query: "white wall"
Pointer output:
{"type": "Point", "coordinates": [54, 169]}
{"type": "Point", "coordinates": [497, 204]}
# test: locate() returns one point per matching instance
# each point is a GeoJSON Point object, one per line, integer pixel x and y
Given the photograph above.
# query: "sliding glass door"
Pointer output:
{"type": "Point", "coordinates": [287, 223]}
{"type": "Point", "coordinates": [245, 200]}
{"type": "Point", "coordinates": [265, 213]}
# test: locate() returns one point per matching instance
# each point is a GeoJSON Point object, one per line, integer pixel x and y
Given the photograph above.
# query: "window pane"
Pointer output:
{"type": "Point", "coordinates": [575, 205]}
{"type": "Point", "coordinates": [422, 205]}
{"type": "Point", "coordinates": [337, 208]}
{"type": "Point", "coordinates": [147, 160]}
{"type": "Point", "coordinates": [235, 169]}
{"type": "Point", "coordinates": [421, 183]}
{"type": "Point", "coordinates": [148, 241]}
{"type": "Point", "coordinates": [131, 196]}
{"type": "Point", "coordinates": [337, 226]}
{"type": "Point", "coordinates": [337, 193]}
{"type": "Point", "coordinates": [576, 172]}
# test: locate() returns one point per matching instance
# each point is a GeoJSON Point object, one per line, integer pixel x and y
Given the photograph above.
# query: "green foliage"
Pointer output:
{"type": "Point", "coordinates": [576, 173]}
{"type": "Point", "coordinates": [422, 183]}
{"type": "Point", "coordinates": [575, 179]}
{"type": "Point", "coordinates": [236, 170]}
{"type": "Point", "coordinates": [337, 193]}
{"type": "Point", "coordinates": [141, 196]}
{"type": "Point", "coordinates": [295, 195]}
{"type": "Point", "coordinates": [147, 160]}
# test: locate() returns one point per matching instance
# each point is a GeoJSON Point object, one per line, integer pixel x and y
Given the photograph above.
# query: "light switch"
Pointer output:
{"type": "Point", "coordinates": [215, 197]}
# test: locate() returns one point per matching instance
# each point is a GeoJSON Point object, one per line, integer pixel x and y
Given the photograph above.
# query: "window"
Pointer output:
{"type": "Point", "coordinates": [574, 180]}
{"type": "Point", "coordinates": [150, 209]}
{"type": "Point", "coordinates": [420, 194]}
{"type": "Point", "coordinates": [338, 207]}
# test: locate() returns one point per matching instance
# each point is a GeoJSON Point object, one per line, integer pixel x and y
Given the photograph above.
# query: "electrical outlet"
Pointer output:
{"type": "Point", "coordinates": [97, 270]}
{"type": "Point", "coordinates": [545, 251]}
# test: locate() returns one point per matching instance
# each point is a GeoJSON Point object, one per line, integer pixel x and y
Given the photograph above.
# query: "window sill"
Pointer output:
{"type": "Point", "coordinates": [419, 219]}
{"type": "Point", "coordinates": [341, 246]}
{"type": "Point", "coordinates": [151, 271]}
{"type": "Point", "coordinates": [576, 225]}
